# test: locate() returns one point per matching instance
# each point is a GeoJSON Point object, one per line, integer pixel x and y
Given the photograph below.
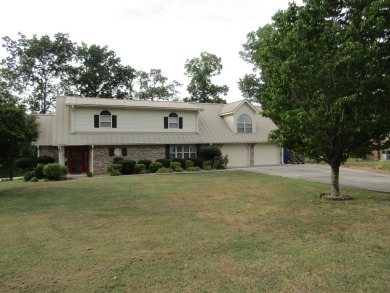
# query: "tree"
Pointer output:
{"type": "Point", "coordinates": [35, 67]}
{"type": "Point", "coordinates": [99, 73]}
{"type": "Point", "coordinates": [201, 70]}
{"type": "Point", "coordinates": [324, 78]}
{"type": "Point", "coordinates": [153, 86]}
{"type": "Point", "coordinates": [17, 131]}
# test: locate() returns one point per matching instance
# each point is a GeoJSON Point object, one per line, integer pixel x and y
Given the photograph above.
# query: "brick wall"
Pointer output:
{"type": "Point", "coordinates": [102, 158]}
{"type": "Point", "coordinates": [49, 151]}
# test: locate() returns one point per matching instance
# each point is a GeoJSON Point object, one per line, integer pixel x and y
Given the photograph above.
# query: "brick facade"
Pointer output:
{"type": "Point", "coordinates": [101, 157]}
{"type": "Point", "coordinates": [49, 151]}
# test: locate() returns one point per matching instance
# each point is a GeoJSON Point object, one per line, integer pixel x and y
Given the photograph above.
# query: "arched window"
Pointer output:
{"type": "Point", "coordinates": [244, 124]}
{"type": "Point", "coordinates": [173, 120]}
{"type": "Point", "coordinates": [105, 118]}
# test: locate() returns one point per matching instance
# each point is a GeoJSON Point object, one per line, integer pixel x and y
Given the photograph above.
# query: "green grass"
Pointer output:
{"type": "Point", "coordinates": [368, 164]}
{"type": "Point", "coordinates": [208, 232]}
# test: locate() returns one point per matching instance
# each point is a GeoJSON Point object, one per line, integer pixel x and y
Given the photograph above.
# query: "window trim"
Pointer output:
{"type": "Point", "coordinates": [244, 126]}
{"type": "Point", "coordinates": [182, 151]}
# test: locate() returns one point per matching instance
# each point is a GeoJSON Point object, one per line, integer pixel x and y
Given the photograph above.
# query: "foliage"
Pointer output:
{"type": "Point", "coordinates": [34, 179]}
{"type": "Point", "coordinates": [127, 166]}
{"type": "Point", "coordinates": [166, 162]}
{"type": "Point", "coordinates": [206, 165]}
{"type": "Point", "coordinates": [153, 86]}
{"type": "Point", "coordinates": [89, 174]}
{"type": "Point", "coordinates": [139, 169]}
{"type": "Point", "coordinates": [220, 162]}
{"type": "Point", "coordinates": [181, 161]}
{"type": "Point", "coordinates": [201, 70]}
{"type": "Point", "coordinates": [145, 162]}
{"type": "Point", "coordinates": [29, 175]}
{"type": "Point", "coordinates": [198, 162]}
{"type": "Point", "coordinates": [35, 68]}
{"type": "Point", "coordinates": [55, 171]}
{"type": "Point", "coordinates": [164, 170]}
{"type": "Point", "coordinates": [188, 163]}
{"type": "Point", "coordinates": [114, 169]}
{"type": "Point", "coordinates": [325, 78]}
{"type": "Point", "coordinates": [193, 169]}
{"type": "Point", "coordinates": [99, 73]}
{"type": "Point", "coordinates": [26, 163]}
{"type": "Point", "coordinates": [18, 129]}
{"type": "Point", "coordinates": [39, 172]}
{"type": "Point", "coordinates": [153, 167]}
{"type": "Point", "coordinates": [45, 159]}
{"type": "Point", "coordinates": [209, 153]}
{"type": "Point", "coordinates": [176, 167]}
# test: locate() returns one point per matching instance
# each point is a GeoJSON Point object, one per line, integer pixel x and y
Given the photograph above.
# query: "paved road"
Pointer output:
{"type": "Point", "coordinates": [321, 173]}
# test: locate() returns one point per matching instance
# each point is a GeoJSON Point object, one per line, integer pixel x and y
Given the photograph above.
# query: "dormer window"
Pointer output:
{"type": "Point", "coordinates": [173, 121]}
{"type": "Point", "coordinates": [105, 120]}
{"type": "Point", "coordinates": [244, 124]}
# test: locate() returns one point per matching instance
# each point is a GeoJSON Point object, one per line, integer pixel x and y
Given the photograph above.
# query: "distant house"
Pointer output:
{"type": "Point", "coordinates": [87, 134]}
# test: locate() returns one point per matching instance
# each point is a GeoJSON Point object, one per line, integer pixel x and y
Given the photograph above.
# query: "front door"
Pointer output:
{"type": "Point", "coordinates": [77, 159]}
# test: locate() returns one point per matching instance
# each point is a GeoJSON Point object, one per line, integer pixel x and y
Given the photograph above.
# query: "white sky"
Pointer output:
{"type": "Point", "coordinates": [149, 34]}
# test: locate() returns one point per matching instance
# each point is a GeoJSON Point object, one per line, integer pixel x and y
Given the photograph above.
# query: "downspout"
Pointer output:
{"type": "Point", "coordinates": [72, 119]}
{"type": "Point", "coordinates": [92, 155]}
{"type": "Point", "coordinates": [197, 122]}
{"type": "Point", "coordinates": [38, 152]}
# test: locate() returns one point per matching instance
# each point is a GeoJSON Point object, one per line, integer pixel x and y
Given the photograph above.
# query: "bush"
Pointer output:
{"type": "Point", "coordinates": [188, 164]}
{"type": "Point", "coordinates": [89, 174]}
{"type": "Point", "coordinates": [45, 160]}
{"type": "Point", "coordinates": [26, 163]}
{"type": "Point", "coordinates": [198, 162]}
{"type": "Point", "coordinates": [206, 165]}
{"type": "Point", "coordinates": [194, 169]}
{"type": "Point", "coordinates": [221, 162]}
{"type": "Point", "coordinates": [176, 166]}
{"type": "Point", "coordinates": [164, 170]}
{"type": "Point", "coordinates": [139, 169]}
{"type": "Point", "coordinates": [39, 172]}
{"type": "Point", "coordinates": [127, 166]}
{"type": "Point", "coordinates": [181, 161]}
{"type": "Point", "coordinates": [145, 162]}
{"type": "Point", "coordinates": [55, 171]}
{"type": "Point", "coordinates": [34, 179]}
{"type": "Point", "coordinates": [29, 175]}
{"type": "Point", "coordinates": [153, 167]}
{"type": "Point", "coordinates": [166, 162]}
{"type": "Point", "coordinates": [210, 152]}
{"type": "Point", "coordinates": [114, 169]}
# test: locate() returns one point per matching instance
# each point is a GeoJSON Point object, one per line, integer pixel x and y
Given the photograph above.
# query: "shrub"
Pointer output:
{"type": "Point", "coordinates": [114, 169]}
{"type": "Point", "coordinates": [127, 166]}
{"type": "Point", "coordinates": [194, 169]}
{"type": "Point", "coordinates": [153, 167]}
{"type": "Point", "coordinates": [145, 162]}
{"type": "Point", "coordinates": [164, 170]}
{"type": "Point", "coordinates": [181, 161]}
{"type": "Point", "coordinates": [45, 160]}
{"type": "Point", "coordinates": [206, 165]}
{"type": "Point", "coordinates": [55, 171]}
{"type": "Point", "coordinates": [26, 163]}
{"type": "Point", "coordinates": [176, 166]}
{"type": "Point", "coordinates": [39, 172]}
{"type": "Point", "coordinates": [34, 179]}
{"type": "Point", "coordinates": [139, 169]}
{"type": "Point", "coordinates": [221, 162]}
{"type": "Point", "coordinates": [198, 162]}
{"type": "Point", "coordinates": [210, 152]}
{"type": "Point", "coordinates": [29, 175]}
{"type": "Point", "coordinates": [166, 162]}
{"type": "Point", "coordinates": [89, 174]}
{"type": "Point", "coordinates": [188, 164]}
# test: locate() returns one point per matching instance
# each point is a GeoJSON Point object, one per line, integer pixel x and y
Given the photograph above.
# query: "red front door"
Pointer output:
{"type": "Point", "coordinates": [76, 159]}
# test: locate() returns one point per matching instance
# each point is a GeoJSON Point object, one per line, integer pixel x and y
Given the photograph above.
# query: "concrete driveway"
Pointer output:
{"type": "Point", "coordinates": [321, 173]}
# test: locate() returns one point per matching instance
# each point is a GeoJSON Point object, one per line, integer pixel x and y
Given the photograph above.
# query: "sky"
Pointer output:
{"type": "Point", "coordinates": [146, 34]}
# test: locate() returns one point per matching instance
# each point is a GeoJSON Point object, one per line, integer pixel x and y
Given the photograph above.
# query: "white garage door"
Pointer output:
{"type": "Point", "coordinates": [266, 154]}
{"type": "Point", "coordinates": [238, 155]}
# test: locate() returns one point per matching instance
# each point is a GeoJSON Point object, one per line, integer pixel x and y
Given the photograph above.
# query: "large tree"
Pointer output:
{"type": "Point", "coordinates": [99, 73]}
{"type": "Point", "coordinates": [155, 87]}
{"type": "Point", "coordinates": [324, 78]}
{"type": "Point", "coordinates": [35, 67]}
{"type": "Point", "coordinates": [17, 130]}
{"type": "Point", "coordinates": [201, 70]}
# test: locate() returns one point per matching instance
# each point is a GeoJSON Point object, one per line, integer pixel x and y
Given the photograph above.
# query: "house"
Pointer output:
{"type": "Point", "coordinates": [88, 134]}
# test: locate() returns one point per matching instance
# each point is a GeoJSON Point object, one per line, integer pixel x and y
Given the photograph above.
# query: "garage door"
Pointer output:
{"type": "Point", "coordinates": [266, 154]}
{"type": "Point", "coordinates": [238, 155]}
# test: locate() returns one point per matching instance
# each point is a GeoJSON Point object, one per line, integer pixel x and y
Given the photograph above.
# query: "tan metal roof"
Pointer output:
{"type": "Point", "coordinates": [232, 107]}
{"type": "Point", "coordinates": [55, 129]}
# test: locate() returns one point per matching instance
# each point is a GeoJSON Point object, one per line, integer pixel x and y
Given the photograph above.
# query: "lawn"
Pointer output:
{"type": "Point", "coordinates": [209, 232]}
{"type": "Point", "coordinates": [380, 166]}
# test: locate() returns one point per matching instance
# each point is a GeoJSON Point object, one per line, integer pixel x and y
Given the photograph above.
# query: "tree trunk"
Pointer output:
{"type": "Point", "coordinates": [334, 182]}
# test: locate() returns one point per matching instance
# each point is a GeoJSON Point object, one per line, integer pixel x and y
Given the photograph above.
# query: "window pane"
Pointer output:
{"type": "Point", "coordinates": [179, 155]}
{"type": "Point", "coordinates": [105, 124]}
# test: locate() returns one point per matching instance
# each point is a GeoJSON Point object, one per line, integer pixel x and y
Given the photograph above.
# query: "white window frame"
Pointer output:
{"type": "Point", "coordinates": [105, 119]}
{"type": "Point", "coordinates": [244, 124]}
{"type": "Point", "coordinates": [173, 120]}
{"type": "Point", "coordinates": [182, 151]}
